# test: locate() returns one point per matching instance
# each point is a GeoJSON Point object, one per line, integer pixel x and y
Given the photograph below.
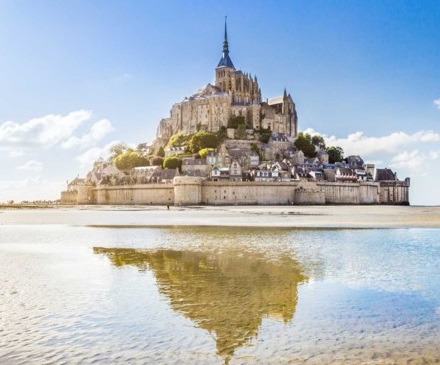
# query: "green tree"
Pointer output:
{"type": "Point", "coordinates": [234, 122]}
{"type": "Point", "coordinates": [318, 141]}
{"type": "Point", "coordinates": [160, 152]}
{"type": "Point", "coordinates": [156, 161]}
{"type": "Point", "coordinates": [221, 134]}
{"type": "Point", "coordinates": [304, 143]}
{"type": "Point", "coordinates": [265, 135]}
{"type": "Point", "coordinates": [203, 152]}
{"type": "Point", "coordinates": [202, 140]}
{"type": "Point", "coordinates": [241, 131]}
{"type": "Point", "coordinates": [179, 139]}
{"type": "Point", "coordinates": [130, 159]}
{"type": "Point", "coordinates": [172, 162]}
{"type": "Point", "coordinates": [118, 149]}
{"type": "Point", "coordinates": [335, 154]}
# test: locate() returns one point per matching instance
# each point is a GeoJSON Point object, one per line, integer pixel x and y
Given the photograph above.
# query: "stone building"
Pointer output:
{"type": "Point", "coordinates": [235, 93]}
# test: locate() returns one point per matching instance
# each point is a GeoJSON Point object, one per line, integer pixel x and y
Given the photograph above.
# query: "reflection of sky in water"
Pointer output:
{"type": "Point", "coordinates": [208, 295]}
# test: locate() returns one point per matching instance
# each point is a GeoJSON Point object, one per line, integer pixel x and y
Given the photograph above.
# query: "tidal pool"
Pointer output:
{"type": "Point", "coordinates": [110, 294]}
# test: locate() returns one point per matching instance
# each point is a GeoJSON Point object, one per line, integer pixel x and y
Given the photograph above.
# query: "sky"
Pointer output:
{"type": "Point", "coordinates": [77, 76]}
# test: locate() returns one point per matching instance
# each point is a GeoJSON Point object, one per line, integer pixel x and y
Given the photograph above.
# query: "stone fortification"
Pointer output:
{"type": "Point", "coordinates": [187, 190]}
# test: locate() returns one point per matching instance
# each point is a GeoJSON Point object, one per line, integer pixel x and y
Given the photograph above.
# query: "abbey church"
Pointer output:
{"type": "Point", "coordinates": [235, 93]}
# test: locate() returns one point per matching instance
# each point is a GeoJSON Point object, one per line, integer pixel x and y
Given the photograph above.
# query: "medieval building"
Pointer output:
{"type": "Point", "coordinates": [235, 93]}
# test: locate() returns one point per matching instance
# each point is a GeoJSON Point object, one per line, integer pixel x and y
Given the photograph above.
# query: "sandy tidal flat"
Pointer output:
{"type": "Point", "coordinates": [245, 216]}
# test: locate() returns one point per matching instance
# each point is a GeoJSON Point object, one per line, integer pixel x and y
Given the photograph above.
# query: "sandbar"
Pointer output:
{"type": "Point", "coordinates": [328, 216]}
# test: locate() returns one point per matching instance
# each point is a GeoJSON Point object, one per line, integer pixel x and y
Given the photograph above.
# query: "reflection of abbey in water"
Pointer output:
{"type": "Point", "coordinates": [223, 293]}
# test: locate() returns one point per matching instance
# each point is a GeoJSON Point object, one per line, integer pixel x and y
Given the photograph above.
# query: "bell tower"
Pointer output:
{"type": "Point", "coordinates": [225, 69]}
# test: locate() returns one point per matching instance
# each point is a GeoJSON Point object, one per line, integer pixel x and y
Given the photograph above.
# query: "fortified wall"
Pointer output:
{"type": "Point", "coordinates": [195, 190]}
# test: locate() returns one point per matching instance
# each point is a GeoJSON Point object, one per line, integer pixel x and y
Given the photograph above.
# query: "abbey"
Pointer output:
{"type": "Point", "coordinates": [235, 93]}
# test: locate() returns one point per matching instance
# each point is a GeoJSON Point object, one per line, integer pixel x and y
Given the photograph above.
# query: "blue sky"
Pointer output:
{"type": "Point", "coordinates": [78, 75]}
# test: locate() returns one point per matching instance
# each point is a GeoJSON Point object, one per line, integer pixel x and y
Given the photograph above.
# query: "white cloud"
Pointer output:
{"type": "Point", "coordinates": [31, 165]}
{"type": "Point", "coordinates": [31, 188]}
{"type": "Point", "coordinates": [15, 153]}
{"type": "Point", "coordinates": [46, 131]}
{"type": "Point", "coordinates": [98, 131]}
{"type": "Point", "coordinates": [413, 160]}
{"type": "Point", "coordinates": [437, 103]}
{"type": "Point", "coordinates": [434, 155]}
{"type": "Point", "coordinates": [358, 143]}
{"type": "Point", "coordinates": [91, 155]}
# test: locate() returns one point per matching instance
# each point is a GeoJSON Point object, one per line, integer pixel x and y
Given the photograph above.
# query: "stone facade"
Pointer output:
{"type": "Point", "coordinates": [235, 93]}
{"type": "Point", "coordinates": [187, 190]}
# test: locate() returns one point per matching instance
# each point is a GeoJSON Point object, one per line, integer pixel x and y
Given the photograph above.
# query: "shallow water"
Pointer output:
{"type": "Point", "coordinates": [72, 293]}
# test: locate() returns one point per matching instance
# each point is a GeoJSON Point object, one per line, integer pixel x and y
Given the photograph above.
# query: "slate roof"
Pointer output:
{"type": "Point", "coordinates": [225, 61]}
{"type": "Point", "coordinates": [168, 174]}
{"type": "Point", "coordinates": [77, 181]}
{"type": "Point", "coordinates": [194, 161]}
{"type": "Point", "coordinates": [384, 174]}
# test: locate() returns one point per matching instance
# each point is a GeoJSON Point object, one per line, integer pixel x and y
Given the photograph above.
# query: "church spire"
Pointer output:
{"type": "Point", "coordinates": [225, 60]}
{"type": "Point", "coordinates": [225, 41]}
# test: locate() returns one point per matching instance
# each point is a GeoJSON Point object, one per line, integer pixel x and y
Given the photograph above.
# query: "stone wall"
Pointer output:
{"type": "Point", "coordinates": [148, 194]}
{"type": "Point", "coordinates": [394, 192]}
{"type": "Point", "coordinates": [247, 193]}
{"type": "Point", "coordinates": [69, 197]}
{"type": "Point", "coordinates": [187, 190]}
{"type": "Point", "coordinates": [194, 190]}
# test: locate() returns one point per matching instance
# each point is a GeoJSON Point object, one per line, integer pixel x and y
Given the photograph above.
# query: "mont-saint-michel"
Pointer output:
{"type": "Point", "coordinates": [226, 145]}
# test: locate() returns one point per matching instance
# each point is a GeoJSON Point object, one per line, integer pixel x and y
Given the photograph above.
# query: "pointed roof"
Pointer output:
{"type": "Point", "coordinates": [225, 61]}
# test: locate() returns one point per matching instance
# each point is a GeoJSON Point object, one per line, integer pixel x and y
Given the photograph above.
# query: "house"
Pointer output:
{"type": "Point", "coordinates": [189, 164]}
{"type": "Point", "coordinates": [322, 156]}
{"type": "Point", "coordinates": [279, 144]}
{"type": "Point", "coordinates": [285, 175]}
{"type": "Point", "coordinates": [103, 172]}
{"type": "Point", "coordinates": [300, 173]}
{"type": "Point", "coordinates": [275, 173]}
{"type": "Point", "coordinates": [211, 158]}
{"type": "Point", "coordinates": [167, 175]}
{"type": "Point", "coordinates": [297, 157]}
{"type": "Point", "coordinates": [385, 175]}
{"type": "Point", "coordinates": [354, 161]}
{"type": "Point", "coordinates": [75, 183]}
{"type": "Point", "coordinates": [214, 174]}
{"type": "Point", "coordinates": [147, 174]}
{"type": "Point", "coordinates": [219, 174]}
{"type": "Point", "coordinates": [254, 159]}
{"type": "Point", "coordinates": [235, 171]}
{"type": "Point", "coordinates": [263, 175]}
{"type": "Point", "coordinates": [316, 175]}
{"type": "Point", "coordinates": [344, 174]}
{"type": "Point", "coordinates": [173, 151]}
{"type": "Point", "coordinates": [312, 161]}
{"type": "Point", "coordinates": [361, 174]}
{"type": "Point", "coordinates": [241, 155]}
{"type": "Point", "coordinates": [223, 158]}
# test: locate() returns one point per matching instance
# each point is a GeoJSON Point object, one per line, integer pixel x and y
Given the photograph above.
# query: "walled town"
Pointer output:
{"type": "Point", "coordinates": [226, 145]}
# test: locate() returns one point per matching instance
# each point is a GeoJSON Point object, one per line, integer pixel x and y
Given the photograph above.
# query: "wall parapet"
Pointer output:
{"type": "Point", "coordinates": [186, 190]}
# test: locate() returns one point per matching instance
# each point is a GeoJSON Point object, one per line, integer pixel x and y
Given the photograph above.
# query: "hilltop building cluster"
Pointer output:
{"type": "Point", "coordinates": [245, 168]}
{"type": "Point", "coordinates": [235, 93]}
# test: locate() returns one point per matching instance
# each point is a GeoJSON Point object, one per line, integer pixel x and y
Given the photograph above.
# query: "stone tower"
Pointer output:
{"type": "Point", "coordinates": [242, 87]}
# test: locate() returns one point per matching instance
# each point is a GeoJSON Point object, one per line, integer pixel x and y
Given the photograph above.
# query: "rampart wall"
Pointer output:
{"type": "Point", "coordinates": [194, 190]}
{"type": "Point", "coordinates": [148, 194]}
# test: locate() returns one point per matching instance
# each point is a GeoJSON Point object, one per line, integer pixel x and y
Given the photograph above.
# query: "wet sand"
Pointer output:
{"type": "Point", "coordinates": [238, 216]}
